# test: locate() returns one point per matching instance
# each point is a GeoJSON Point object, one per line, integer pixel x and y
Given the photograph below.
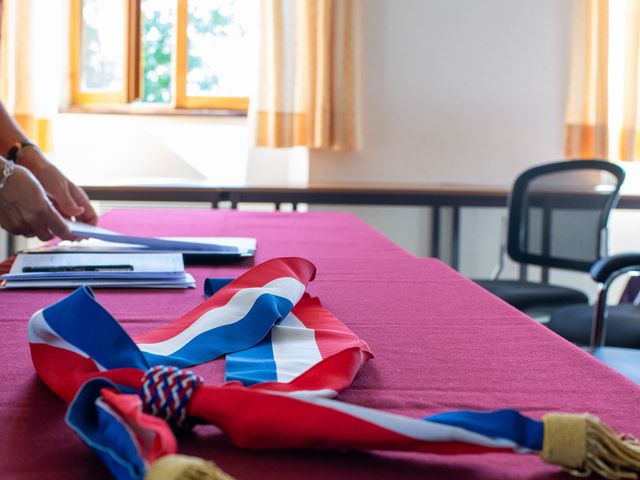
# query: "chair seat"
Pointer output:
{"type": "Point", "coordinates": [528, 295]}
{"type": "Point", "coordinates": [624, 360]}
{"type": "Point", "coordinates": [622, 327]}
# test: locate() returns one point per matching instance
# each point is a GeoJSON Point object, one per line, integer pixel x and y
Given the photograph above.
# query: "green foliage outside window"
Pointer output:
{"type": "Point", "coordinates": [210, 24]}
{"type": "Point", "coordinates": [157, 46]}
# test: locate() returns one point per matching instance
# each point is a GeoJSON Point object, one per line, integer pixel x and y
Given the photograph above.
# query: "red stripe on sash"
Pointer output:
{"type": "Point", "coordinates": [331, 334]}
{"type": "Point", "coordinates": [257, 415]}
{"type": "Point", "coordinates": [298, 268]}
{"type": "Point", "coordinates": [64, 371]}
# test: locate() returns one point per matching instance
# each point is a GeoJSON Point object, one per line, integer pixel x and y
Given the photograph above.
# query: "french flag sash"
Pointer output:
{"type": "Point", "coordinates": [286, 356]}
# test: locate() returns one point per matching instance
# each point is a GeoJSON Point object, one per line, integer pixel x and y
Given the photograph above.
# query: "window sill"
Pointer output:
{"type": "Point", "coordinates": [132, 109]}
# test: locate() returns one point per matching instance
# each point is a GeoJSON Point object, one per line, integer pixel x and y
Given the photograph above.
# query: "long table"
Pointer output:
{"type": "Point", "coordinates": [436, 196]}
{"type": "Point", "coordinates": [440, 342]}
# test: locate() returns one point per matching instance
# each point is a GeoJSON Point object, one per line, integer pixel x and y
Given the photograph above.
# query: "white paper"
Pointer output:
{"type": "Point", "coordinates": [140, 262]}
{"type": "Point", "coordinates": [185, 281]}
{"type": "Point", "coordinates": [84, 230]}
{"type": "Point", "coordinates": [245, 246]}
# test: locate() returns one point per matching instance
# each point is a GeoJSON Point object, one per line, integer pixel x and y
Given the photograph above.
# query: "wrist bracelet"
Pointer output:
{"type": "Point", "coordinates": [15, 149]}
{"type": "Point", "coordinates": [7, 171]}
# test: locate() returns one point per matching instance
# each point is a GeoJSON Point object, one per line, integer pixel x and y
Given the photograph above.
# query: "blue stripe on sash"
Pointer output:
{"type": "Point", "coordinates": [507, 424]}
{"type": "Point", "coordinates": [212, 285]}
{"type": "Point", "coordinates": [84, 323]}
{"type": "Point", "coordinates": [104, 432]}
{"type": "Point", "coordinates": [253, 365]}
{"type": "Point", "coordinates": [266, 311]}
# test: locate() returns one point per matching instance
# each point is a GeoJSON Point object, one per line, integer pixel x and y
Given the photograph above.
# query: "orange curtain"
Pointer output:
{"type": "Point", "coordinates": [630, 132]}
{"type": "Point", "coordinates": [587, 131]}
{"type": "Point", "coordinates": [309, 74]}
{"type": "Point", "coordinates": [29, 66]}
{"type": "Point", "coordinates": [604, 94]}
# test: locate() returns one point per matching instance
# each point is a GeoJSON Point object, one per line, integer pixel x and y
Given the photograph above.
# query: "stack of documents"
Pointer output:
{"type": "Point", "coordinates": [111, 259]}
{"type": "Point", "coordinates": [65, 270]}
{"type": "Point", "coordinates": [103, 240]}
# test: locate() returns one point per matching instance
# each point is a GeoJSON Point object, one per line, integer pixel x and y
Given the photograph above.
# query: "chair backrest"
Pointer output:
{"type": "Point", "coordinates": [631, 292]}
{"type": "Point", "coordinates": [558, 213]}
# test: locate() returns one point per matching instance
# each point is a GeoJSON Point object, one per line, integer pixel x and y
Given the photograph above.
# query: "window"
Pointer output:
{"type": "Point", "coordinates": [173, 53]}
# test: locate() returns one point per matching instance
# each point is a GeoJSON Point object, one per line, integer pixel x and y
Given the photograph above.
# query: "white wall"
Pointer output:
{"type": "Point", "coordinates": [95, 148]}
{"type": "Point", "coordinates": [458, 91]}
{"type": "Point", "coordinates": [99, 148]}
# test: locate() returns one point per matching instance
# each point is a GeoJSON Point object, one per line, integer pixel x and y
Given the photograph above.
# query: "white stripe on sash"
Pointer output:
{"type": "Point", "coordinates": [40, 332]}
{"type": "Point", "coordinates": [409, 427]}
{"type": "Point", "coordinates": [294, 348]}
{"type": "Point", "coordinates": [233, 311]}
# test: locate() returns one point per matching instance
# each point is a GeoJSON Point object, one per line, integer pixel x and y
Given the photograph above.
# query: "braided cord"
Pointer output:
{"type": "Point", "coordinates": [166, 392]}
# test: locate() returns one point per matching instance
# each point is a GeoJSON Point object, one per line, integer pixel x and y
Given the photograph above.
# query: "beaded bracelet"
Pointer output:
{"type": "Point", "coordinates": [7, 171]}
{"type": "Point", "coordinates": [15, 149]}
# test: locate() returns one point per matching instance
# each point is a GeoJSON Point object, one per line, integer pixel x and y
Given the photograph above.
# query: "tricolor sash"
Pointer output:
{"type": "Point", "coordinates": [286, 355]}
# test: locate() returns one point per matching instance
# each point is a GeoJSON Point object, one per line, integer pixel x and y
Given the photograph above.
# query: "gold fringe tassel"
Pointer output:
{"type": "Point", "coordinates": [583, 445]}
{"type": "Point", "coordinates": [183, 467]}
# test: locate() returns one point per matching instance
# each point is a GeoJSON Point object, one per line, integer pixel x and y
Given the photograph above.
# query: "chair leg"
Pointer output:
{"type": "Point", "coordinates": [598, 328]}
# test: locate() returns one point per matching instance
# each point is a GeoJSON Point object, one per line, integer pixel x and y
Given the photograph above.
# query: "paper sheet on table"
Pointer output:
{"type": "Point", "coordinates": [245, 246]}
{"type": "Point", "coordinates": [140, 262]}
{"type": "Point", "coordinates": [187, 281]}
{"type": "Point", "coordinates": [89, 231]}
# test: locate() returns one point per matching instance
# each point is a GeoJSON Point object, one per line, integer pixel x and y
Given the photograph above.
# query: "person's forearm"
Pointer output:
{"type": "Point", "coordinates": [68, 199]}
{"type": "Point", "coordinates": [10, 134]}
{"type": "Point", "coordinates": [10, 131]}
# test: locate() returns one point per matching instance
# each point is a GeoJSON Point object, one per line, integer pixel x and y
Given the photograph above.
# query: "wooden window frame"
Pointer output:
{"type": "Point", "coordinates": [182, 100]}
{"type": "Point", "coordinates": [132, 65]}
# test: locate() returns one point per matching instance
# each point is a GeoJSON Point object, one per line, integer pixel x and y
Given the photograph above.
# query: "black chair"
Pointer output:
{"type": "Point", "coordinates": [612, 333]}
{"type": "Point", "coordinates": [585, 325]}
{"type": "Point", "coordinates": [558, 216]}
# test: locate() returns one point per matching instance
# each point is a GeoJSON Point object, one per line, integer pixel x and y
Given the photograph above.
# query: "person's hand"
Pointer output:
{"type": "Point", "coordinates": [26, 210]}
{"type": "Point", "coordinates": [69, 199]}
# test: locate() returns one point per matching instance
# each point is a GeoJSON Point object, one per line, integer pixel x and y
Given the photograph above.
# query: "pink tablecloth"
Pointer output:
{"type": "Point", "coordinates": [441, 343]}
